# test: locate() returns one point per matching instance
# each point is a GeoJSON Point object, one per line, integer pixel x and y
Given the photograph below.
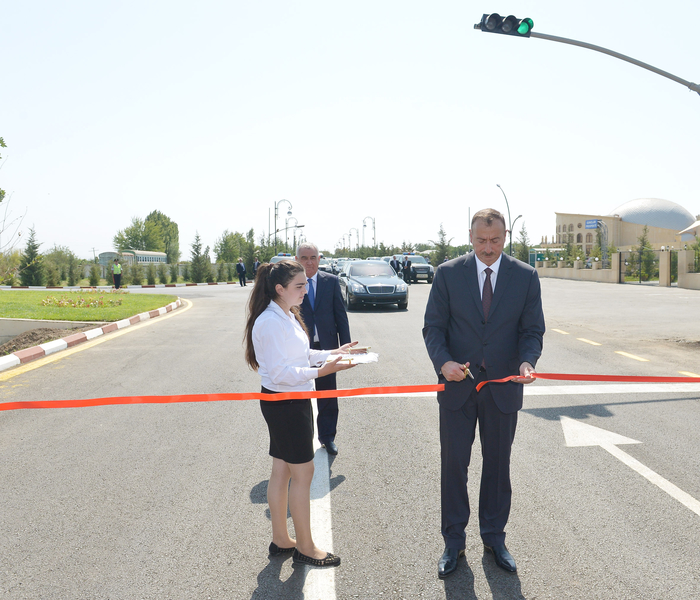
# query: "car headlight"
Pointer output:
{"type": "Point", "coordinates": [357, 288]}
{"type": "Point", "coordinates": [401, 287]}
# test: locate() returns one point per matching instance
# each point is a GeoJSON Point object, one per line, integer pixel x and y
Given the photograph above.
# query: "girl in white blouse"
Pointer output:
{"type": "Point", "coordinates": [277, 346]}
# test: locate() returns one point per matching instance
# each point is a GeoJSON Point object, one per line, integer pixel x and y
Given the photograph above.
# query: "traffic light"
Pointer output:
{"type": "Point", "coordinates": [510, 25]}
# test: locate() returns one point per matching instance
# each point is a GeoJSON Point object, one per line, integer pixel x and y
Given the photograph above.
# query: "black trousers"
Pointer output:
{"type": "Point", "coordinates": [327, 420]}
{"type": "Point", "coordinates": [457, 434]}
{"type": "Point", "coordinates": [241, 278]}
{"type": "Point", "coordinates": [117, 279]}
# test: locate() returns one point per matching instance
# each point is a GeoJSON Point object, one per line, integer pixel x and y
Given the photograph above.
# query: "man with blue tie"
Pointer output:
{"type": "Point", "coordinates": [324, 313]}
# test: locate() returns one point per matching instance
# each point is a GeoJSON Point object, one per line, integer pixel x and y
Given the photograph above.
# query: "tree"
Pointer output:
{"type": "Point", "coordinates": [140, 235]}
{"type": "Point", "coordinates": [442, 246]}
{"type": "Point", "coordinates": [646, 257]}
{"type": "Point", "coordinates": [522, 246]}
{"type": "Point", "coordinates": [57, 262]}
{"type": "Point", "coordinates": [31, 268]}
{"type": "Point", "coordinates": [200, 268]}
{"type": "Point", "coordinates": [170, 235]}
{"type": "Point", "coordinates": [229, 247]}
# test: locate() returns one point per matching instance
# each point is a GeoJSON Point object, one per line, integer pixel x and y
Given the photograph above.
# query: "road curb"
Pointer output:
{"type": "Point", "coordinates": [29, 354]}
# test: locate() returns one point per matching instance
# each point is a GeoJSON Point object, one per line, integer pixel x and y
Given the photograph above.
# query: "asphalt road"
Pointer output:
{"type": "Point", "coordinates": [168, 501]}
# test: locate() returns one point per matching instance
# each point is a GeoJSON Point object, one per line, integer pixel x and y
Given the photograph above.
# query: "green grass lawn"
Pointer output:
{"type": "Point", "coordinates": [27, 304]}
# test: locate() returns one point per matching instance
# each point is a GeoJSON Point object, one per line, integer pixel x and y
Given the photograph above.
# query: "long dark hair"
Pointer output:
{"type": "Point", "coordinates": [264, 292]}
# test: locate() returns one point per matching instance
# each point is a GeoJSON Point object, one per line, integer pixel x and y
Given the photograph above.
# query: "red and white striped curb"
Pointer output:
{"type": "Point", "coordinates": [28, 354]}
{"type": "Point", "coordinates": [111, 287]}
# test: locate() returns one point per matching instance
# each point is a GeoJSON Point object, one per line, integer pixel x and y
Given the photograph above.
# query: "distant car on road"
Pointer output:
{"type": "Point", "coordinates": [372, 282]}
{"type": "Point", "coordinates": [325, 265]}
{"type": "Point", "coordinates": [421, 268]}
{"type": "Point", "coordinates": [281, 256]}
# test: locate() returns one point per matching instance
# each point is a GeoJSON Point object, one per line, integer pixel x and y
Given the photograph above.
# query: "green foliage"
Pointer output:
{"type": "Point", "coordinates": [442, 247]}
{"type": "Point", "coordinates": [186, 272]}
{"type": "Point", "coordinates": [201, 263]}
{"type": "Point", "coordinates": [170, 235]}
{"type": "Point", "coordinates": [645, 256]}
{"type": "Point", "coordinates": [221, 273]}
{"type": "Point", "coordinates": [27, 304]}
{"type": "Point", "coordinates": [136, 272]}
{"type": "Point", "coordinates": [58, 260]}
{"type": "Point", "coordinates": [174, 273]}
{"type": "Point", "coordinates": [31, 267]}
{"type": "Point", "coordinates": [522, 246]}
{"type": "Point", "coordinates": [140, 235]}
{"type": "Point", "coordinates": [151, 274]}
{"type": "Point", "coordinates": [229, 247]}
{"type": "Point", "coordinates": [9, 265]}
{"type": "Point", "coordinates": [94, 275]}
{"type": "Point", "coordinates": [162, 273]}
{"type": "Point", "coordinates": [73, 275]}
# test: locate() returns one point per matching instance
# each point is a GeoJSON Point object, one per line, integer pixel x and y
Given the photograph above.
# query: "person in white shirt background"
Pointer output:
{"type": "Point", "coordinates": [277, 347]}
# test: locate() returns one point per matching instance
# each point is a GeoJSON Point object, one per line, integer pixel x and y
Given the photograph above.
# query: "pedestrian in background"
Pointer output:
{"type": "Point", "coordinates": [116, 273]}
{"type": "Point", "coordinates": [277, 347]}
{"type": "Point", "coordinates": [240, 268]}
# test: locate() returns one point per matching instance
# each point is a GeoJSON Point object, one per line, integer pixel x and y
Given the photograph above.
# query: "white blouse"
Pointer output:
{"type": "Point", "coordinates": [283, 354]}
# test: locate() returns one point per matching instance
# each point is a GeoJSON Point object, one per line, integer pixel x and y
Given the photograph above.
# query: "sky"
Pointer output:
{"type": "Point", "coordinates": [397, 113]}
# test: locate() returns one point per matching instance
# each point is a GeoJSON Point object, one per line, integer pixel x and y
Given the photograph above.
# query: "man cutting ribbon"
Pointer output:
{"type": "Point", "coordinates": [484, 315]}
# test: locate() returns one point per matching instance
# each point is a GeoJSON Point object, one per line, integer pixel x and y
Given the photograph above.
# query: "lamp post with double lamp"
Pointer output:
{"type": "Point", "coordinates": [289, 214]}
{"type": "Point", "coordinates": [510, 225]}
{"type": "Point", "coordinates": [374, 231]}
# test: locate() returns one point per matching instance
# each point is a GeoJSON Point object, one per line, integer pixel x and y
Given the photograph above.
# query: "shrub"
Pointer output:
{"type": "Point", "coordinates": [94, 275]}
{"type": "Point", "coordinates": [174, 275]}
{"type": "Point", "coordinates": [162, 273]}
{"type": "Point", "coordinates": [151, 274]}
{"type": "Point", "coordinates": [136, 274]}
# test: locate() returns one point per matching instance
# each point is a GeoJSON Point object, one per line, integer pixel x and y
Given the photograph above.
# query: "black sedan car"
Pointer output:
{"type": "Point", "coordinates": [372, 282]}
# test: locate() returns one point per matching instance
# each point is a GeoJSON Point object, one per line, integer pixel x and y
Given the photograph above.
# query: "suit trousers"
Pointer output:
{"type": "Point", "coordinates": [327, 420]}
{"type": "Point", "coordinates": [457, 434]}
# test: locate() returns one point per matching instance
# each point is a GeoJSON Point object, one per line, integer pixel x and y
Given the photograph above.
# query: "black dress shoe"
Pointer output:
{"type": "Point", "coordinates": [502, 557]}
{"type": "Point", "coordinates": [448, 562]}
{"type": "Point", "coordinates": [330, 560]}
{"type": "Point", "coordinates": [331, 448]}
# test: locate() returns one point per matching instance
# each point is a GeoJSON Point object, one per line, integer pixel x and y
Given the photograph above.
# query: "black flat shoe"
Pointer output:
{"type": "Point", "coordinates": [502, 557]}
{"type": "Point", "coordinates": [331, 560]}
{"type": "Point", "coordinates": [448, 562]}
{"type": "Point", "coordinates": [275, 550]}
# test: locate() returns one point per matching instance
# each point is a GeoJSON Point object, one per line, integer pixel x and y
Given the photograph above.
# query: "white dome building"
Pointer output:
{"type": "Point", "coordinates": [664, 220]}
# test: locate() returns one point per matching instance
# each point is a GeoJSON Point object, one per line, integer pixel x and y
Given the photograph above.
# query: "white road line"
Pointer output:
{"type": "Point", "coordinates": [320, 583]}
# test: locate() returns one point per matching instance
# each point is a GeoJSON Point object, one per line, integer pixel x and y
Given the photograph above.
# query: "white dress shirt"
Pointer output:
{"type": "Point", "coordinates": [480, 270]}
{"type": "Point", "coordinates": [283, 354]}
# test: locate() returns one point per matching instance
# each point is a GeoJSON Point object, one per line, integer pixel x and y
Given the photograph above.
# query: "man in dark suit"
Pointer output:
{"type": "Point", "coordinates": [483, 320]}
{"type": "Point", "coordinates": [324, 313]}
{"type": "Point", "coordinates": [256, 266]}
{"type": "Point", "coordinates": [395, 264]}
{"type": "Point", "coordinates": [407, 269]}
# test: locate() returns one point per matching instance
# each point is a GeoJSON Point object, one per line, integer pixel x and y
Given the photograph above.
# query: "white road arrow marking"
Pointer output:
{"type": "Point", "coordinates": [581, 434]}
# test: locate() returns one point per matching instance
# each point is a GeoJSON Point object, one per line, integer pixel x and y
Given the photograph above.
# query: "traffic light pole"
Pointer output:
{"type": "Point", "coordinates": [553, 38]}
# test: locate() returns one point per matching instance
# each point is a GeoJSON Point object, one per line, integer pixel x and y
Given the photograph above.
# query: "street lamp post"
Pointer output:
{"type": "Point", "coordinates": [374, 231]}
{"type": "Point", "coordinates": [289, 214]}
{"type": "Point", "coordinates": [357, 233]}
{"type": "Point", "coordinates": [510, 225]}
{"type": "Point", "coordinates": [286, 230]}
{"type": "Point", "coordinates": [511, 234]}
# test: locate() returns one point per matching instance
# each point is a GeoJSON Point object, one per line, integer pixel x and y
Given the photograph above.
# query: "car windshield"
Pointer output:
{"type": "Point", "coordinates": [371, 270]}
{"type": "Point", "coordinates": [323, 261]}
{"type": "Point", "coordinates": [418, 259]}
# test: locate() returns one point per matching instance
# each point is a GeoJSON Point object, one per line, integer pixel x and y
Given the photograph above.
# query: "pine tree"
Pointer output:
{"type": "Point", "coordinates": [31, 267]}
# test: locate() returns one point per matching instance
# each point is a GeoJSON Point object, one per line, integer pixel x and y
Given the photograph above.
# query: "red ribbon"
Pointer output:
{"type": "Point", "coordinates": [370, 391]}
{"type": "Point", "coordinates": [618, 378]}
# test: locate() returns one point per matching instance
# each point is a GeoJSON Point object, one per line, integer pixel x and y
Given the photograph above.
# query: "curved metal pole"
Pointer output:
{"type": "Point", "coordinates": [510, 228]}
{"type": "Point", "coordinates": [553, 38]}
{"type": "Point", "coordinates": [276, 215]}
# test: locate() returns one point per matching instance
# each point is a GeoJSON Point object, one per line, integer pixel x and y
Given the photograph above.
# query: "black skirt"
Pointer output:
{"type": "Point", "coordinates": [291, 427]}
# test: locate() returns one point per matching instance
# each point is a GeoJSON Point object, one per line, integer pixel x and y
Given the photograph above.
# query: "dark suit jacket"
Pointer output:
{"type": "Point", "coordinates": [328, 314]}
{"type": "Point", "coordinates": [396, 265]}
{"type": "Point", "coordinates": [454, 327]}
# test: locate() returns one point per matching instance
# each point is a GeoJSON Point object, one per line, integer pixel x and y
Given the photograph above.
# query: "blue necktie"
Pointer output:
{"type": "Point", "coordinates": [311, 293]}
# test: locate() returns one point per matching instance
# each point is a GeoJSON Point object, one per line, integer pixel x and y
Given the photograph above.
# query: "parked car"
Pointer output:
{"type": "Point", "coordinates": [281, 256]}
{"type": "Point", "coordinates": [325, 265]}
{"type": "Point", "coordinates": [372, 282]}
{"type": "Point", "coordinates": [420, 268]}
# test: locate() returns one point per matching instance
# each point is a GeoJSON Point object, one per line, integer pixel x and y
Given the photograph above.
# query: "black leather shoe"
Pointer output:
{"type": "Point", "coordinates": [331, 448]}
{"type": "Point", "coordinates": [448, 562]}
{"type": "Point", "coordinates": [502, 557]}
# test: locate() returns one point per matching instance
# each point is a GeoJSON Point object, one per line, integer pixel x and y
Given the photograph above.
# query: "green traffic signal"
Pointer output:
{"type": "Point", "coordinates": [525, 26]}
{"type": "Point", "coordinates": [510, 25]}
